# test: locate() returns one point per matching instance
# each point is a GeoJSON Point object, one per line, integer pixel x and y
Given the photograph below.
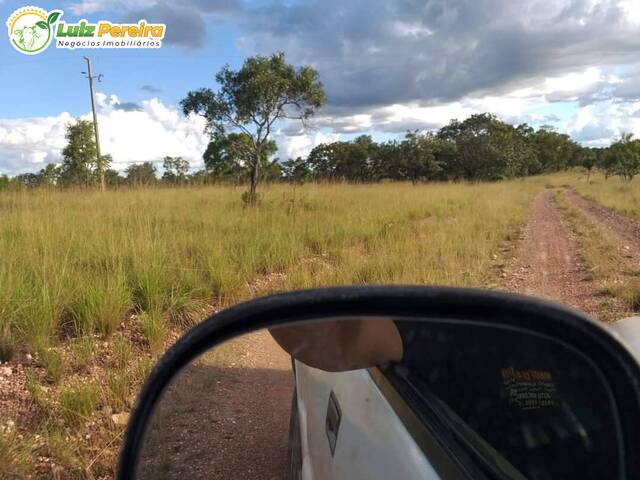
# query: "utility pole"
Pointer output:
{"type": "Point", "coordinates": [95, 122]}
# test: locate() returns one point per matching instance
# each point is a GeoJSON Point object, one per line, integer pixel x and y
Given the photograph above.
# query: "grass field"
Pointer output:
{"type": "Point", "coordinates": [94, 285]}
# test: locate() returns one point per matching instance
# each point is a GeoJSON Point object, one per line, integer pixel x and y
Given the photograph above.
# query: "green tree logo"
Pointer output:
{"type": "Point", "coordinates": [31, 29]}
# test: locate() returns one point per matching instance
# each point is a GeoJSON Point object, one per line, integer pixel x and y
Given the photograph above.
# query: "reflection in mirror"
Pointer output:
{"type": "Point", "coordinates": [376, 398]}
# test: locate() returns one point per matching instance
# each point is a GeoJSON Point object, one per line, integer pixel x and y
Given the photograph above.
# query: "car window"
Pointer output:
{"type": "Point", "coordinates": [541, 406]}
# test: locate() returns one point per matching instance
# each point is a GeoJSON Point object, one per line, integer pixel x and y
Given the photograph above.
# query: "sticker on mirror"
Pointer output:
{"type": "Point", "coordinates": [529, 389]}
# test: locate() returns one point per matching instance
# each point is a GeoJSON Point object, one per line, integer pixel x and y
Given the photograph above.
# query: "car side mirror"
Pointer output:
{"type": "Point", "coordinates": [368, 382]}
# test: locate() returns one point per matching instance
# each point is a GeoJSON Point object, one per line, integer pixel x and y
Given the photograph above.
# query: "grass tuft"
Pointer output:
{"type": "Point", "coordinates": [77, 404]}
{"type": "Point", "coordinates": [154, 329]}
{"type": "Point", "coordinates": [49, 359]}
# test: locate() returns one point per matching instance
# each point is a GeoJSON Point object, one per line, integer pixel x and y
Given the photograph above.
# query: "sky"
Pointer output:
{"type": "Point", "coordinates": [387, 66]}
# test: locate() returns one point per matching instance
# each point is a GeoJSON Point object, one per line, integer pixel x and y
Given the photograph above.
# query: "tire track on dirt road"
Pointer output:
{"type": "Point", "coordinates": [624, 229]}
{"type": "Point", "coordinates": [225, 416]}
{"type": "Point", "coordinates": [548, 263]}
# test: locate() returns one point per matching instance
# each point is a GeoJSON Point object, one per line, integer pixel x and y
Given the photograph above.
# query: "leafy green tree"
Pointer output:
{"type": "Point", "coordinates": [230, 158]}
{"type": "Point", "coordinates": [251, 100]}
{"type": "Point", "coordinates": [296, 170]}
{"type": "Point", "coordinates": [418, 161]}
{"type": "Point", "coordinates": [175, 170]}
{"type": "Point", "coordinates": [49, 175]}
{"type": "Point", "coordinates": [347, 161]}
{"type": "Point", "coordinates": [626, 153]}
{"type": "Point", "coordinates": [555, 151]}
{"type": "Point", "coordinates": [80, 166]}
{"type": "Point", "coordinates": [487, 149]}
{"type": "Point", "coordinates": [141, 174]}
{"type": "Point", "coordinates": [113, 179]}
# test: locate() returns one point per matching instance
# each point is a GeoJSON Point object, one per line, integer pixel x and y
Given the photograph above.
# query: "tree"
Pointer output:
{"type": "Point", "coordinates": [296, 170]}
{"type": "Point", "coordinates": [139, 174]}
{"type": "Point", "coordinates": [589, 160]}
{"type": "Point", "coordinates": [487, 149]}
{"type": "Point", "coordinates": [80, 166]}
{"type": "Point", "coordinates": [418, 159]}
{"type": "Point", "coordinates": [228, 157]}
{"type": "Point", "coordinates": [112, 178]}
{"type": "Point", "coordinates": [28, 180]}
{"type": "Point", "coordinates": [348, 161]}
{"type": "Point", "coordinates": [626, 153]}
{"type": "Point", "coordinates": [251, 100]}
{"type": "Point", "coordinates": [175, 169]}
{"type": "Point", "coordinates": [49, 175]}
{"type": "Point", "coordinates": [271, 171]}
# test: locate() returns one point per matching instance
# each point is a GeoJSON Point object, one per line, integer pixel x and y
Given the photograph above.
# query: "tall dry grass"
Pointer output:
{"type": "Point", "coordinates": [613, 192]}
{"type": "Point", "coordinates": [74, 263]}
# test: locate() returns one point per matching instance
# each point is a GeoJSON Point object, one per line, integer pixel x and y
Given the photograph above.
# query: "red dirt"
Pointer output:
{"type": "Point", "coordinates": [624, 229]}
{"type": "Point", "coordinates": [226, 416]}
{"type": "Point", "coordinates": [548, 264]}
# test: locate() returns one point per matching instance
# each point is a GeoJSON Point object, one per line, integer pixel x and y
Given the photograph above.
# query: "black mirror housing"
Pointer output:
{"type": "Point", "coordinates": [612, 357]}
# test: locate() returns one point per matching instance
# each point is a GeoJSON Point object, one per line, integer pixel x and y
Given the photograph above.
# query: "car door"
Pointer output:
{"type": "Point", "coordinates": [349, 430]}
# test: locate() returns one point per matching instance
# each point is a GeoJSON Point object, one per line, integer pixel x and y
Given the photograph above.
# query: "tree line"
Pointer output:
{"type": "Point", "coordinates": [480, 148]}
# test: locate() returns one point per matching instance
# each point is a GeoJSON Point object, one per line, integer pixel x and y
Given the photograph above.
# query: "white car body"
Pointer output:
{"type": "Point", "coordinates": [372, 442]}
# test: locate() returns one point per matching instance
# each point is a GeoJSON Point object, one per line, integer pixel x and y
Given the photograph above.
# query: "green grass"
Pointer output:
{"type": "Point", "coordinates": [52, 362]}
{"type": "Point", "coordinates": [77, 403]}
{"type": "Point", "coordinates": [16, 460]}
{"type": "Point", "coordinates": [117, 391]}
{"type": "Point", "coordinates": [122, 353]}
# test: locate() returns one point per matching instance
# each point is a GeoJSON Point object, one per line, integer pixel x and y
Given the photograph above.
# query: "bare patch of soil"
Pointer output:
{"type": "Point", "coordinates": [548, 264]}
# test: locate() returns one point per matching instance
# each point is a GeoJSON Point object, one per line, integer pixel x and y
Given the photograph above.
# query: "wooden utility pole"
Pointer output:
{"type": "Point", "coordinates": [95, 123]}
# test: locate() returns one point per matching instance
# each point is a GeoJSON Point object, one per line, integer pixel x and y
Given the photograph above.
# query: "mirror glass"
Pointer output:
{"type": "Point", "coordinates": [379, 398]}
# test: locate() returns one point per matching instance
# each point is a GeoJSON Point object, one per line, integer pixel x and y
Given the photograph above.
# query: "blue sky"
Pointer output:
{"type": "Point", "coordinates": [51, 82]}
{"type": "Point", "coordinates": [387, 66]}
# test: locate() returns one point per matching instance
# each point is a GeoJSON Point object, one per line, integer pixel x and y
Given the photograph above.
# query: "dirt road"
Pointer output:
{"type": "Point", "coordinates": [226, 416]}
{"type": "Point", "coordinates": [548, 263]}
{"type": "Point", "coordinates": [625, 229]}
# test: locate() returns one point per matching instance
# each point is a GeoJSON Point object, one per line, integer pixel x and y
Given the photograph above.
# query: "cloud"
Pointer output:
{"type": "Point", "coordinates": [85, 7]}
{"type": "Point", "coordinates": [151, 89]}
{"type": "Point", "coordinates": [148, 133]}
{"type": "Point", "coordinates": [294, 146]}
{"type": "Point", "coordinates": [600, 123]}
{"type": "Point", "coordinates": [129, 107]}
{"type": "Point", "coordinates": [26, 145]}
{"type": "Point", "coordinates": [442, 50]}
{"type": "Point", "coordinates": [185, 24]}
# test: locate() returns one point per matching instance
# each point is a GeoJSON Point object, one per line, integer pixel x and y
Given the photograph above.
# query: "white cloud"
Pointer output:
{"type": "Point", "coordinates": [293, 146]}
{"type": "Point", "coordinates": [631, 9]}
{"type": "Point", "coordinates": [600, 123]}
{"type": "Point", "coordinates": [146, 134]}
